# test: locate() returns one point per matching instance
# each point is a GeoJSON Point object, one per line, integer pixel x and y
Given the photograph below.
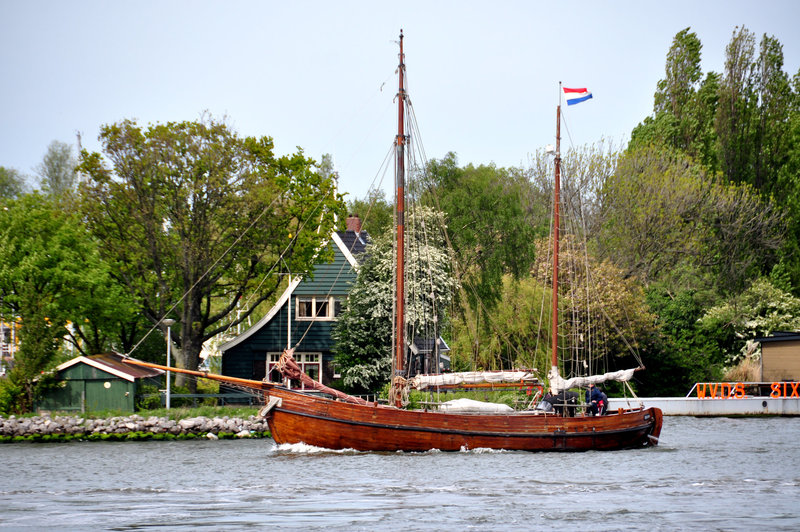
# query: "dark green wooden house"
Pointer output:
{"type": "Point", "coordinates": [305, 312]}
{"type": "Point", "coordinates": [96, 383]}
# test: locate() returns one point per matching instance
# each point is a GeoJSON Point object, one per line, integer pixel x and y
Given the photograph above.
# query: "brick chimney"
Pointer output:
{"type": "Point", "coordinates": [354, 223]}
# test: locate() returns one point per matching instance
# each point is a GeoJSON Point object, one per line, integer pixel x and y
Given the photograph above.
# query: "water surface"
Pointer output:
{"type": "Point", "coordinates": [710, 473]}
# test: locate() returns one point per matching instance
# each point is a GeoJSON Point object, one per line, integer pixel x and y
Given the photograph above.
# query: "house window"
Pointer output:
{"type": "Point", "coordinates": [305, 307]}
{"type": "Point", "coordinates": [318, 308]}
{"type": "Point", "coordinates": [310, 364]}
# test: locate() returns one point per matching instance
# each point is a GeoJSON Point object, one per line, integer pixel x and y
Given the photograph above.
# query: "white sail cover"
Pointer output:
{"type": "Point", "coordinates": [421, 382]}
{"type": "Point", "coordinates": [465, 405]}
{"type": "Point", "coordinates": [559, 384]}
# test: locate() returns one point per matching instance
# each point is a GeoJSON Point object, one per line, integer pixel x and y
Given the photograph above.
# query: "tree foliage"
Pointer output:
{"type": "Point", "coordinates": [195, 217]}
{"type": "Point", "coordinates": [760, 310]}
{"type": "Point", "coordinates": [376, 213]}
{"type": "Point", "coordinates": [665, 220]}
{"type": "Point", "coordinates": [488, 225]}
{"type": "Point", "coordinates": [12, 183]}
{"type": "Point", "coordinates": [53, 280]}
{"type": "Point", "coordinates": [57, 170]}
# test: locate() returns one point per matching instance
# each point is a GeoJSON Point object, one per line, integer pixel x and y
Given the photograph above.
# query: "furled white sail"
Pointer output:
{"type": "Point", "coordinates": [421, 382]}
{"type": "Point", "coordinates": [466, 406]}
{"type": "Point", "coordinates": [559, 384]}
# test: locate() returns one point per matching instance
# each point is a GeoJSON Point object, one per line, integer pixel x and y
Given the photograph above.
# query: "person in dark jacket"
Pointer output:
{"type": "Point", "coordinates": [596, 400]}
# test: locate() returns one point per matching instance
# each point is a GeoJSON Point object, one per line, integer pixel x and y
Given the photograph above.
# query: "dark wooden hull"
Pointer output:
{"type": "Point", "coordinates": [336, 425]}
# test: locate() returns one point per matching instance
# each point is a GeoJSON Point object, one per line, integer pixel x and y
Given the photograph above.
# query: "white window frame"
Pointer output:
{"type": "Point", "coordinates": [306, 361]}
{"type": "Point", "coordinates": [315, 301]}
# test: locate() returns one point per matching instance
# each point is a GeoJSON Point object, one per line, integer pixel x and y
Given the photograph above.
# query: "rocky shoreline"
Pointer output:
{"type": "Point", "coordinates": [134, 427]}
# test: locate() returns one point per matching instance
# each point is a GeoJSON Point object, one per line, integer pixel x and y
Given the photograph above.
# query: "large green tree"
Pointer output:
{"type": "Point", "coordinates": [195, 217]}
{"type": "Point", "coordinates": [53, 280]}
{"type": "Point", "coordinates": [736, 115]}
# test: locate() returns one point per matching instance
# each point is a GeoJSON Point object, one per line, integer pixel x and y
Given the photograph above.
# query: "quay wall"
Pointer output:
{"type": "Point", "coordinates": [45, 425]}
{"type": "Point", "coordinates": [693, 406]}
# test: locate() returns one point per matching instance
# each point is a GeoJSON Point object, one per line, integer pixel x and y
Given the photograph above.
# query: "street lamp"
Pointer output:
{"type": "Point", "coordinates": [169, 323]}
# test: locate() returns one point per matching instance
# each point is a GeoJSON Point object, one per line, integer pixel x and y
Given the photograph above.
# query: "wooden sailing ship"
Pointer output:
{"type": "Point", "coordinates": [344, 422]}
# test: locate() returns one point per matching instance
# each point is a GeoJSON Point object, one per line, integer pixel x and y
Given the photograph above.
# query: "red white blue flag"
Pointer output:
{"type": "Point", "coordinates": [574, 96]}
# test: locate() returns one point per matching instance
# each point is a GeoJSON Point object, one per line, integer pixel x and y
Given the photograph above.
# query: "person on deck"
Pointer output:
{"type": "Point", "coordinates": [596, 401]}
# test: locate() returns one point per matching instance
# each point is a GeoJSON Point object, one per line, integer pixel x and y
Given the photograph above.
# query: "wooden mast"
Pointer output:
{"type": "Point", "coordinates": [556, 222]}
{"type": "Point", "coordinates": [400, 201]}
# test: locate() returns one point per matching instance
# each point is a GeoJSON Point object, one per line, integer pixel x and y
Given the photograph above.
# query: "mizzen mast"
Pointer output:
{"type": "Point", "coordinates": [556, 226]}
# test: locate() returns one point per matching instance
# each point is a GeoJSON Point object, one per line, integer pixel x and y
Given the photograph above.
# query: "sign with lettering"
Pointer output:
{"type": "Point", "coordinates": [736, 390]}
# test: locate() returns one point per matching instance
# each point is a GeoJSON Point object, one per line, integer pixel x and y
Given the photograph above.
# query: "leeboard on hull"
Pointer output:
{"type": "Point", "coordinates": [335, 425]}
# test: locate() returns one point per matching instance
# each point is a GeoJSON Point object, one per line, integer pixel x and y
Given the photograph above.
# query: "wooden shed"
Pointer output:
{"type": "Point", "coordinates": [96, 383]}
{"type": "Point", "coordinates": [780, 357]}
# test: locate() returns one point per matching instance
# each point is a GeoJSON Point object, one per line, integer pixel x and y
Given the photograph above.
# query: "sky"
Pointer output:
{"type": "Point", "coordinates": [320, 75]}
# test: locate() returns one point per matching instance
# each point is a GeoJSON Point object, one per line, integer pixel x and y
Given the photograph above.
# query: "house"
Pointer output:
{"type": "Point", "coordinates": [96, 383]}
{"type": "Point", "coordinates": [303, 317]}
{"type": "Point", "coordinates": [780, 357]}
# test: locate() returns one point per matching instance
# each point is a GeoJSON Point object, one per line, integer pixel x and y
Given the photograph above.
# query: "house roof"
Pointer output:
{"type": "Point", "coordinates": [112, 363]}
{"type": "Point", "coordinates": [780, 336]}
{"type": "Point", "coordinates": [354, 243]}
{"type": "Point", "coordinates": [350, 243]}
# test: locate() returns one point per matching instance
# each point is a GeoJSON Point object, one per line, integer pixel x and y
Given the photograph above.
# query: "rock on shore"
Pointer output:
{"type": "Point", "coordinates": [46, 425]}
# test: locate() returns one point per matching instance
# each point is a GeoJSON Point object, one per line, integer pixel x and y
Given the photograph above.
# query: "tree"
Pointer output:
{"type": "Point", "coordinates": [603, 317]}
{"type": "Point", "coordinates": [666, 220]}
{"type": "Point", "coordinates": [375, 211]}
{"type": "Point", "coordinates": [735, 120]}
{"type": "Point", "coordinates": [57, 169]}
{"type": "Point", "coordinates": [684, 108]}
{"type": "Point", "coordinates": [51, 276]}
{"type": "Point", "coordinates": [676, 92]}
{"type": "Point", "coordinates": [758, 311]}
{"type": "Point", "coordinates": [195, 217]}
{"type": "Point", "coordinates": [681, 352]}
{"type": "Point", "coordinates": [363, 332]}
{"type": "Point", "coordinates": [488, 223]}
{"type": "Point", "coordinates": [12, 183]}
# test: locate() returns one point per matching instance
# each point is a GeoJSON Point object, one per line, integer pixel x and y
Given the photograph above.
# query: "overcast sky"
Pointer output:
{"type": "Point", "coordinates": [483, 76]}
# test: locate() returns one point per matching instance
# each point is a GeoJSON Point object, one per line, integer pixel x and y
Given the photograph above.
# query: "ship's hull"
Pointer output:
{"type": "Point", "coordinates": [337, 425]}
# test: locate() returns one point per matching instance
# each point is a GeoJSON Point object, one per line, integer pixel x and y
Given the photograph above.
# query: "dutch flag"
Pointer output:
{"type": "Point", "coordinates": [574, 96]}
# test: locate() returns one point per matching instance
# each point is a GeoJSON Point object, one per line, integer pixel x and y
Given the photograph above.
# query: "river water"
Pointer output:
{"type": "Point", "coordinates": [706, 474]}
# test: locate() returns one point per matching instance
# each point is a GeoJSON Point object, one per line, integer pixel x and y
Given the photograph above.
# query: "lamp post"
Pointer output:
{"type": "Point", "coordinates": [169, 323]}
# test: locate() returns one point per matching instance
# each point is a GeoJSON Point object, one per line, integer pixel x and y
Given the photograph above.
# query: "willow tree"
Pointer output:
{"type": "Point", "coordinates": [196, 218]}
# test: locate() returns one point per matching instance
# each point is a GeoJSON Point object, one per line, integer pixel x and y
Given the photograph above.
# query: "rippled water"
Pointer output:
{"type": "Point", "coordinates": [712, 474]}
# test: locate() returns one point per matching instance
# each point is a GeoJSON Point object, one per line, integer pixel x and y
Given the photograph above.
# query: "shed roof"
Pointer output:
{"type": "Point", "coordinates": [780, 336]}
{"type": "Point", "coordinates": [112, 363]}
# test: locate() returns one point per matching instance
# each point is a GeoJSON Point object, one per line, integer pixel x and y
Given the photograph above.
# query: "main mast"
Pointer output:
{"type": "Point", "coordinates": [400, 202]}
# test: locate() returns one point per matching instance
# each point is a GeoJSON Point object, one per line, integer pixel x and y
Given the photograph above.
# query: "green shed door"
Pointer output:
{"type": "Point", "coordinates": [108, 395]}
